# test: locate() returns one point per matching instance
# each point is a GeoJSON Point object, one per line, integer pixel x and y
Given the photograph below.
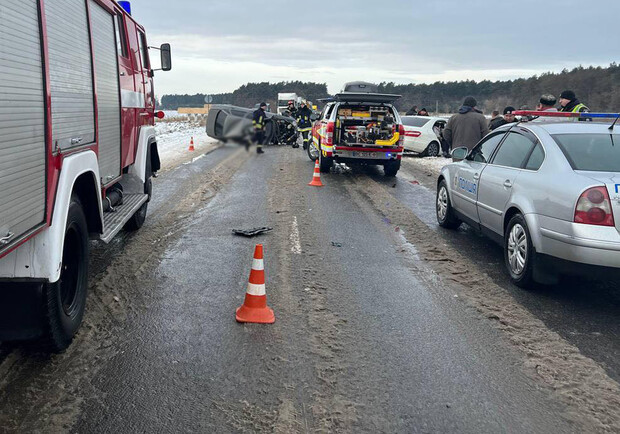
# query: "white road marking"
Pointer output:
{"type": "Point", "coordinates": [294, 237]}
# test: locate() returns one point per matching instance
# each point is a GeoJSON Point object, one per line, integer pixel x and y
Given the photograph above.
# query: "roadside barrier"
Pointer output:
{"type": "Point", "coordinates": [254, 308]}
{"type": "Point", "coordinates": [316, 177]}
{"type": "Point", "coordinates": [191, 144]}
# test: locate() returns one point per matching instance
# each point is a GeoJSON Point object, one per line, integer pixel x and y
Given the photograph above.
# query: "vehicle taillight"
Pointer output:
{"type": "Point", "coordinates": [594, 208]}
{"type": "Point", "coordinates": [401, 133]}
{"type": "Point", "coordinates": [329, 134]}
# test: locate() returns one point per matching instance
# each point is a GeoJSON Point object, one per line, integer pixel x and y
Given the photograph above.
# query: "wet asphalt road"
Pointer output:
{"type": "Point", "coordinates": [585, 312]}
{"type": "Point", "coordinates": [364, 341]}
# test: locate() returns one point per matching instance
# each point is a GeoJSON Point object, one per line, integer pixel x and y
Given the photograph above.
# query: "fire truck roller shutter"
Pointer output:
{"type": "Point", "coordinates": [22, 121]}
{"type": "Point", "coordinates": [108, 96]}
{"type": "Point", "coordinates": [70, 69]}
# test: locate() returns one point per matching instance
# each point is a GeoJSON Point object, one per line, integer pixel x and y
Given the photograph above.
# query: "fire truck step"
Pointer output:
{"type": "Point", "coordinates": [114, 221]}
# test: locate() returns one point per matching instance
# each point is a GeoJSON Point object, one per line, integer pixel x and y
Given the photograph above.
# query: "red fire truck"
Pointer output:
{"type": "Point", "coordinates": [77, 153]}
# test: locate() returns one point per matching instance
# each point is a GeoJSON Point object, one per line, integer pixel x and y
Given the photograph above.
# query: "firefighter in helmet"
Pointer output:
{"type": "Point", "coordinates": [258, 122]}
{"type": "Point", "coordinates": [304, 123]}
{"type": "Point", "coordinates": [292, 109]}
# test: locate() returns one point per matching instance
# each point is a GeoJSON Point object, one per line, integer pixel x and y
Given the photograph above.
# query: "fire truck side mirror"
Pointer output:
{"type": "Point", "coordinates": [166, 59]}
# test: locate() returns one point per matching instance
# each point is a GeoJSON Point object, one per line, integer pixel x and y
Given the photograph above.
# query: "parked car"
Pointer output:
{"type": "Point", "coordinates": [421, 134]}
{"type": "Point", "coordinates": [549, 192]}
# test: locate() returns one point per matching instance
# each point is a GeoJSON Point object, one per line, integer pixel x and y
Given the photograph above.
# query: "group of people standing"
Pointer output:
{"type": "Point", "coordinates": [301, 115]}
{"type": "Point", "coordinates": [469, 125]}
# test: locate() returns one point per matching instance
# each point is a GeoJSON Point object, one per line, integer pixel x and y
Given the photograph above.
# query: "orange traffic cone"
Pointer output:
{"type": "Point", "coordinates": [254, 308]}
{"type": "Point", "coordinates": [191, 144]}
{"type": "Point", "coordinates": [316, 177]}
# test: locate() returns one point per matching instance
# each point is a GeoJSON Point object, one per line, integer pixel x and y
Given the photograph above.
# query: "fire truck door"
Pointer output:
{"type": "Point", "coordinates": [149, 107]}
{"type": "Point", "coordinates": [129, 96]}
{"type": "Point", "coordinates": [108, 94]}
{"type": "Point", "coordinates": [22, 121]}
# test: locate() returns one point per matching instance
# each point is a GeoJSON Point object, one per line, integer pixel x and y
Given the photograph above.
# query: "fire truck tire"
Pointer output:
{"type": "Point", "coordinates": [64, 301]}
{"type": "Point", "coordinates": [137, 220]}
{"type": "Point", "coordinates": [325, 163]}
{"type": "Point", "coordinates": [391, 168]}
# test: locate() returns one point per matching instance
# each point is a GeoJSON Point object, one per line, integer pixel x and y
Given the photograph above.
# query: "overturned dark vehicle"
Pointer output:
{"type": "Point", "coordinates": [231, 123]}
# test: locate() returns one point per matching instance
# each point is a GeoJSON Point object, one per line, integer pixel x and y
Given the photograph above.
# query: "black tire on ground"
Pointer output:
{"type": "Point", "coordinates": [443, 208]}
{"type": "Point", "coordinates": [64, 301]}
{"type": "Point", "coordinates": [137, 220]}
{"type": "Point", "coordinates": [391, 168]}
{"type": "Point", "coordinates": [325, 163]}
{"type": "Point", "coordinates": [519, 253]}
{"type": "Point", "coordinates": [432, 150]}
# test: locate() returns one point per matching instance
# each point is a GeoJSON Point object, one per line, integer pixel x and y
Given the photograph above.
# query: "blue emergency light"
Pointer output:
{"type": "Point", "coordinates": [126, 6]}
{"type": "Point", "coordinates": [567, 115]}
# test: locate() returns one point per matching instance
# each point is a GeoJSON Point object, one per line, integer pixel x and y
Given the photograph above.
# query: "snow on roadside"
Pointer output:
{"type": "Point", "coordinates": [432, 165]}
{"type": "Point", "coordinates": [173, 140]}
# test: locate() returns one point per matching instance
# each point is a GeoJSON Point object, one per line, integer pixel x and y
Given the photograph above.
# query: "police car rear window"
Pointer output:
{"type": "Point", "coordinates": [592, 152]}
{"type": "Point", "coordinates": [415, 122]}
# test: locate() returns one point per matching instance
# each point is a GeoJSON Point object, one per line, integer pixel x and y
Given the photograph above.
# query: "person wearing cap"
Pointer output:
{"type": "Point", "coordinates": [304, 123]}
{"type": "Point", "coordinates": [258, 122]}
{"type": "Point", "coordinates": [547, 103]}
{"type": "Point", "coordinates": [508, 118]}
{"type": "Point", "coordinates": [292, 109]}
{"type": "Point", "coordinates": [570, 104]}
{"type": "Point", "coordinates": [467, 127]}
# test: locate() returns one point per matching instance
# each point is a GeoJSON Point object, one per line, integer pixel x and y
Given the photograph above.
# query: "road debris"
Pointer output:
{"type": "Point", "coordinates": [251, 232]}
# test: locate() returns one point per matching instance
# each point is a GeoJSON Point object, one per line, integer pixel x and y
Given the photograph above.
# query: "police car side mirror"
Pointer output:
{"type": "Point", "coordinates": [166, 58]}
{"type": "Point", "coordinates": [459, 154]}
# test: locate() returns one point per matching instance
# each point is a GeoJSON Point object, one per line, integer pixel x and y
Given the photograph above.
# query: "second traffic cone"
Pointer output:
{"type": "Point", "coordinates": [191, 144]}
{"type": "Point", "coordinates": [316, 176]}
{"type": "Point", "coordinates": [254, 308]}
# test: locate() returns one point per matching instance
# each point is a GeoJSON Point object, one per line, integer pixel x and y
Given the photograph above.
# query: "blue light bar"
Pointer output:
{"type": "Point", "coordinates": [566, 114]}
{"type": "Point", "coordinates": [125, 5]}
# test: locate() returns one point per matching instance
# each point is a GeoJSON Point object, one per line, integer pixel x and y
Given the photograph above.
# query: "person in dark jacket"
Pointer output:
{"type": "Point", "coordinates": [508, 118]}
{"type": "Point", "coordinates": [292, 109]}
{"type": "Point", "coordinates": [412, 111]}
{"type": "Point", "coordinates": [467, 127]}
{"type": "Point", "coordinates": [570, 104]}
{"type": "Point", "coordinates": [304, 123]}
{"type": "Point", "coordinates": [423, 112]}
{"type": "Point", "coordinates": [258, 122]}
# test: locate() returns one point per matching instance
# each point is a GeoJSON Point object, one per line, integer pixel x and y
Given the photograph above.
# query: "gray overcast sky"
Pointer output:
{"type": "Point", "coordinates": [220, 45]}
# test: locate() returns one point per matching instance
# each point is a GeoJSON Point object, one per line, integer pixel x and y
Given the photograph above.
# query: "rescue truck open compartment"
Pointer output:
{"type": "Point", "coordinates": [364, 125]}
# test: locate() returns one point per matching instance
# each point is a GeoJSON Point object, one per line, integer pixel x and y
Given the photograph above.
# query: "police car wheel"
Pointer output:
{"type": "Point", "coordinates": [519, 253]}
{"type": "Point", "coordinates": [443, 208]}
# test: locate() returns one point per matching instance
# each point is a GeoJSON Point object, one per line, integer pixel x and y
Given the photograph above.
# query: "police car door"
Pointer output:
{"type": "Point", "coordinates": [500, 175]}
{"type": "Point", "coordinates": [466, 179]}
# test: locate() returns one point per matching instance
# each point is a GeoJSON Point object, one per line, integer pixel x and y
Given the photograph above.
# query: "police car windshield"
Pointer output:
{"type": "Point", "coordinates": [591, 152]}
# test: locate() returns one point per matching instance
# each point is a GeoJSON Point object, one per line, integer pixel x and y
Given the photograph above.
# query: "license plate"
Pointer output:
{"type": "Point", "coordinates": [364, 154]}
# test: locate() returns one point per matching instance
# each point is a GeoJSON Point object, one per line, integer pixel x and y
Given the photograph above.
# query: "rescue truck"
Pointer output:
{"type": "Point", "coordinates": [359, 126]}
{"type": "Point", "coordinates": [77, 153]}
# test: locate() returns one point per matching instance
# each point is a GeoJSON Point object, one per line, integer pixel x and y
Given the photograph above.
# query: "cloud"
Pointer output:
{"type": "Point", "coordinates": [220, 45]}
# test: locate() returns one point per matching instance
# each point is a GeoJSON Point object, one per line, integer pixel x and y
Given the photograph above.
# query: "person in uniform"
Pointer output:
{"type": "Point", "coordinates": [258, 122]}
{"type": "Point", "coordinates": [304, 122]}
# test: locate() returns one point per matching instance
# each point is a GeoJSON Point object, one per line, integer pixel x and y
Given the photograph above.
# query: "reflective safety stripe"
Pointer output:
{"type": "Point", "coordinates": [256, 289]}
{"type": "Point", "coordinates": [257, 264]}
{"type": "Point", "coordinates": [578, 107]}
{"type": "Point", "coordinates": [302, 130]}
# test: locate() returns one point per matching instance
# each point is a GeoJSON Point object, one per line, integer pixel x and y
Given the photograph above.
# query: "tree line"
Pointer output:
{"type": "Point", "coordinates": [597, 87]}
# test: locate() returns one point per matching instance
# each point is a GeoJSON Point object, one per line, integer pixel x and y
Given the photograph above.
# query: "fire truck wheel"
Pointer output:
{"type": "Point", "coordinates": [325, 163]}
{"type": "Point", "coordinates": [137, 220]}
{"type": "Point", "coordinates": [391, 168]}
{"type": "Point", "coordinates": [65, 300]}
